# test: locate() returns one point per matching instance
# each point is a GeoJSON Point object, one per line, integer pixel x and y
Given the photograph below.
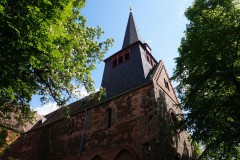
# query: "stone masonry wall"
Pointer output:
{"type": "Point", "coordinates": [132, 124]}
{"type": "Point", "coordinates": [169, 101]}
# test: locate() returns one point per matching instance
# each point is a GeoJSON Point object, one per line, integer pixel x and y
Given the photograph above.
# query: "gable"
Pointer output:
{"type": "Point", "coordinates": [162, 80]}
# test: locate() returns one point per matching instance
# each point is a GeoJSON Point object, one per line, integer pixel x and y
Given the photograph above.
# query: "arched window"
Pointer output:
{"type": "Point", "coordinates": [109, 117]}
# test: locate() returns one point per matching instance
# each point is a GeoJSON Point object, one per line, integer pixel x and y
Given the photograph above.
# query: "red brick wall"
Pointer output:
{"type": "Point", "coordinates": [130, 128]}
{"type": "Point", "coordinates": [134, 123]}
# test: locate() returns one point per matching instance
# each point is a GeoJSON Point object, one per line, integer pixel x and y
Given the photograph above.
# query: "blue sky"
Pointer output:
{"type": "Point", "coordinates": [161, 24]}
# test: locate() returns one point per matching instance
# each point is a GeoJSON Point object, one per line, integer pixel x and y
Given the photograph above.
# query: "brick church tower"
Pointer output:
{"type": "Point", "coordinates": [132, 123]}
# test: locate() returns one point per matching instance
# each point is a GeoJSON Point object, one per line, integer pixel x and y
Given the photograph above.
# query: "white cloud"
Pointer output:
{"type": "Point", "coordinates": [80, 92]}
{"type": "Point", "coordinates": [52, 106]}
{"type": "Point", "coordinates": [46, 108]}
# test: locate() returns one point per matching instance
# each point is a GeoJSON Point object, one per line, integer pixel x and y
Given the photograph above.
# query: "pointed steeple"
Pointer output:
{"type": "Point", "coordinates": [131, 33]}
{"type": "Point", "coordinates": [131, 66]}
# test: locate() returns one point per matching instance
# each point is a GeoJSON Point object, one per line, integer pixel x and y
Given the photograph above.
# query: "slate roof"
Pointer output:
{"type": "Point", "coordinates": [131, 33]}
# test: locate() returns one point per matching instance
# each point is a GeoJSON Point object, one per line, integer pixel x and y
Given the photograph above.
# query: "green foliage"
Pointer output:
{"type": "Point", "coordinates": [165, 143]}
{"type": "Point", "coordinates": [197, 149]}
{"type": "Point", "coordinates": [221, 154]}
{"type": "Point", "coordinates": [208, 73]}
{"type": "Point", "coordinates": [8, 135]}
{"type": "Point", "coordinates": [3, 136]}
{"type": "Point", "coordinates": [46, 49]}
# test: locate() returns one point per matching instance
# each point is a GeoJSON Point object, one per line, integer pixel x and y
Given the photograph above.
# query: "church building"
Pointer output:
{"type": "Point", "coordinates": [135, 120]}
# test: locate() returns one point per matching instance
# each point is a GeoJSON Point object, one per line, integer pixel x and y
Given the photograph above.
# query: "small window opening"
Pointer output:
{"type": "Point", "coordinates": [148, 59]}
{"type": "Point", "coordinates": [114, 63]}
{"type": "Point", "coordinates": [109, 117]}
{"type": "Point", "coordinates": [126, 56]}
{"type": "Point", "coordinates": [166, 84]}
{"type": "Point", "coordinates": [72, 126]}
{"type": "Point", "coordinates": [120, 60]}
{"type": "Point", "coordinates": [151, 63]}
{"type": "Point", "coordinates": [117, 60]}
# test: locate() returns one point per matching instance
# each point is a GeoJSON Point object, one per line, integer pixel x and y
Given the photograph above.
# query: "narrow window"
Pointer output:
{"type": "Point", "coordinates": [114, 63]}
{"type": "Point", "coordinates": [166, 84]}
{"type": "Point", "coordinates": [71, 126]}
{"type": "Point", "coordinates": [151, 63]}
{"type": "Point", "coordinates": [126, 56]}
{"type": "Point", "coordinates": [109, 117]}
{"type": "Point", "coordinates": [148, 59]}
{"type": "Point", "coordinates": [120, 60]}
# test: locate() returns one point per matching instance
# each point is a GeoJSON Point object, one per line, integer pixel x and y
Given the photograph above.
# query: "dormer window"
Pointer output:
{"type": "Point", "coordinates": [120, 58]}
{"type": "Point", "coordinates": [126, 56]}
{"type": "Point", "coordinates": [114, 62]}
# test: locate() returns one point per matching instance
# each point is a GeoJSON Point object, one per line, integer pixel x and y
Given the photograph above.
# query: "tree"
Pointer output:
{"type": "Point", "coordinates": [197, 150]}
{"type": "Point", "coordinates": [45, 49]}
{"type": "Point", "coordinates": [208, 73]}
{"type": "Point", "coordinates": [218, 154]}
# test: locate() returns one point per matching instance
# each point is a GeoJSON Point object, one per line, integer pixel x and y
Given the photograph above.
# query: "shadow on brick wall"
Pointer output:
{"type": "Point", "coordinates": [164, 145]}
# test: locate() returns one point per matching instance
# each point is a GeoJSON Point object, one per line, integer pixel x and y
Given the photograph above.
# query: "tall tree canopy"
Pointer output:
{"type": "Point", "coordinates": [208, 73]}
{"type": "Point", "coordinates": [46, 49]}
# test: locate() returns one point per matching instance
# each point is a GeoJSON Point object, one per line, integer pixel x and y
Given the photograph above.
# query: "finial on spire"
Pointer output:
{"type": "Point", "coordinates": [131, 33]}
{"type": "Point", "coordinates": [130, 7]}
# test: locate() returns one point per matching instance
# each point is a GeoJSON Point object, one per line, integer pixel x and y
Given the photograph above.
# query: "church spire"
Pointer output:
{"type": "Point", "coordinates": [131, 66]}
{"type": "Point", "coordinates": [131, 33]}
